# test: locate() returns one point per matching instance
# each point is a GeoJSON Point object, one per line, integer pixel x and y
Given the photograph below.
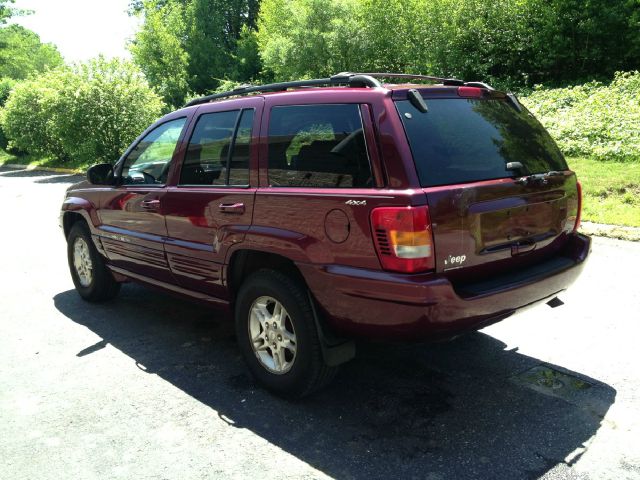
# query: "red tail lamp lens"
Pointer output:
{"type": "Point", "coordinates": [403, 238]}
{"type": "Point", "coordinates": [579, 214]}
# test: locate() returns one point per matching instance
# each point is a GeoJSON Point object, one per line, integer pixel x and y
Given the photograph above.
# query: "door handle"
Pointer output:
{"type": "Point", "coordinates": [232, 208]}
{"type": "Point", "coordinates": [150, 204]}
{"type": "Point", "coordinates": [522, 247]}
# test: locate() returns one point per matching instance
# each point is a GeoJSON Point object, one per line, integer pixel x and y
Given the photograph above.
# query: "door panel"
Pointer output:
{"type": "Point", "coordinates": [200, 233]}
{"type": "Point", "coordinates": [212, 206]}
{"type": "Point", "coordinates": [132, 233]}
{"type": "Point", "coordinates": [132, 225]}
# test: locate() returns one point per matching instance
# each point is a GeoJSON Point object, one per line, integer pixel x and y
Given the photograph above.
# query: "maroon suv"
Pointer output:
{"type": "Point", "coordinates": [323, 210]}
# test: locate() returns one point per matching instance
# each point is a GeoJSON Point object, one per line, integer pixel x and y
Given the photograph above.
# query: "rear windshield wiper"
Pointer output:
{"type": "Point", "coordinates": [540, 178]}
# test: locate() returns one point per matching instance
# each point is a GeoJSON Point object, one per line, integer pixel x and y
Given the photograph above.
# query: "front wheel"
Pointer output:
{"type": "Point", "coordinates": [278, 336]}
{"type": "Point", "coordinates": [91, 277]}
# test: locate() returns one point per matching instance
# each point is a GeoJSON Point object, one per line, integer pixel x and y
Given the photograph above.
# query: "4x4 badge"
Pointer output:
{"type": "Point", "coordinates": [356, 202]}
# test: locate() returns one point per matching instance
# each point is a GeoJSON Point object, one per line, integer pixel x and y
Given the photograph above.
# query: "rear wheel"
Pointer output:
{"type": "Point", "coordinates": [278, 336]}
{"type": "Point", "coordinates": [91, 277]}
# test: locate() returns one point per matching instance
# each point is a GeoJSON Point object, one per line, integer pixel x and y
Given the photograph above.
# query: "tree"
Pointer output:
{"type": "Point", "coordinates": [160, 52]}
{"type": "Point", "coordinates": [23, 54]}
{"type": "Point", "coordinates": [506, 42]}
{"type": "Point", "coordinates": [191, 46]}
{"type": "Point", "coordinates": [5, 11]}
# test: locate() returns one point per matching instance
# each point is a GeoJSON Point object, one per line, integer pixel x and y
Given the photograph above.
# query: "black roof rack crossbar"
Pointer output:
{"type": "Point", "coordinates": [348, 79]}
{"type": "Point", "coordinates": [445, 81]}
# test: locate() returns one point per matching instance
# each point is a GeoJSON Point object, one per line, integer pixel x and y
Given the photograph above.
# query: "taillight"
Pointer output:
{"type": "Point", "coordinates": [403, 238]}
{"type": "Point", "coordinates": [579, 214]}
{"type": "Point", "coordinates": [473, 92]}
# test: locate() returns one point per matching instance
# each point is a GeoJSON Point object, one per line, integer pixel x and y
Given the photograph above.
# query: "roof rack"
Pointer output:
{"type": "Point", "coordinates": [348, 79]}
{"type": "Point", "coordinates": [443, 80]}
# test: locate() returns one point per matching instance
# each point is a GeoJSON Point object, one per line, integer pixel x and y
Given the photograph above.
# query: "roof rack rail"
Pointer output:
{"type": "Point", "coordinates": [345, 78]}
{"type": "Point", "coordinates": [445, 81]}
{"type": "Point", "coordinates": [348, 79]}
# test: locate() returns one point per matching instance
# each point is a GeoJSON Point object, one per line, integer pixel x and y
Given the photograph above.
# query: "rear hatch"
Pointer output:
{"type": "Point", "coordinates": [500, 194]}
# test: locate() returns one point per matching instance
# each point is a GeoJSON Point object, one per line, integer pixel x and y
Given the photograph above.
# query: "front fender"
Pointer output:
{"type": "Point", "coordinates": [81, 206]}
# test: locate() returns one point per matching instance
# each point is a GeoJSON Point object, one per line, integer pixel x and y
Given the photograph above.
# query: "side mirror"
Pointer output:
{"type": "Point", "coordinates": [101, 174]}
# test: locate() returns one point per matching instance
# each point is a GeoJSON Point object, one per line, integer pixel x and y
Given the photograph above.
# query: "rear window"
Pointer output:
{"type": "Point", "coordinates": [466, 140]}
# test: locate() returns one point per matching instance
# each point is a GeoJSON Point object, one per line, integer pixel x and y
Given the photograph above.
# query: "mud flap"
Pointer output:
{"type": "Point", "coordinates": [335, 350]}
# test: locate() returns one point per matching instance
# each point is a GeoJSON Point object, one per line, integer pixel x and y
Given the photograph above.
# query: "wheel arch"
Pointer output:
{"type": "Point", "coordinates": [243, 262]}
{"type": "Point", "coordinates": [75, 209]}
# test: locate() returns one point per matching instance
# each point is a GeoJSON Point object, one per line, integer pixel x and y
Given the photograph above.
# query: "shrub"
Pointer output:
{"type": "Point", "coordinates": [105, 107]}
{"type": "Point", "coordinates": [6, 85]}
{"type": "Point", "coordinates": [29, 116]}
{"type": "Point", "coordinates": [88, 113]}
{"type": "Point", "coordinates": [595, 120]}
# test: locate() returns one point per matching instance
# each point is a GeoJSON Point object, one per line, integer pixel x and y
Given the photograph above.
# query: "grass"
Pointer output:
{"type": "Point", "coordinates": [34, 161]}
{"type": "Point", "coordinates": [611, 190]}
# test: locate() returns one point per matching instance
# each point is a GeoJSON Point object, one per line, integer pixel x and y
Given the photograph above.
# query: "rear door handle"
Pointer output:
{"type": "Point", "coordinates": [150, 204]}
{"type": "Point", "coordinates": [232, 208]}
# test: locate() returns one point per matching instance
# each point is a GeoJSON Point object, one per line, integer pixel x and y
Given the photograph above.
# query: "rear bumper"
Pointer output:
{"type": "Point", "coordinates": [378, 304]}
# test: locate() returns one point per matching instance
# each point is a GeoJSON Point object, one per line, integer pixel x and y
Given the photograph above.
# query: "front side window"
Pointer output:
{"type": "Point", "coordinates": [319, 146]}
{"type": "Point", "coordinates": [218, 152]}
{"type": "Point", "coordinates": [149, 161]}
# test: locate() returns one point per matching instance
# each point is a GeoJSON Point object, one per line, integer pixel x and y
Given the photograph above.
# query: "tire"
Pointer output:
{"type": "Point", "coordinates": [303, 369]}
{"type": "Point", "coordinates": [91, 277]}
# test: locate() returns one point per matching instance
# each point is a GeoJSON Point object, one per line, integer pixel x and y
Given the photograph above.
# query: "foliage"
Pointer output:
{"type": "Point", "coordinates": [5, 10]}
{"type": "Point", "coordinates": [514, 42]}
{"type": "Point", "coordinates": [191, 46]}
{"type": "Point", "coordinates": [595, 120]}
{"type": "Point", "coordinates": [159, 50]}
{"type": "Point", "coordinates": [23, 54]}
{"type": "Point", "coordinates": [611, 191]}
{"type": "Point", "coordinates": [29, 118]}
{"type": "Point", "coordinates": [6, 85]}
{"type": "Point", "coordinates": [89, 113]}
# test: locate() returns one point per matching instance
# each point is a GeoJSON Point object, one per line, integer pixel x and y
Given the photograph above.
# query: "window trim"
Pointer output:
{"type": "Point", "coordinates": [120, 165]}
{"type": "Point", "coordinates": [232, 146]}
{"type": "Point", "coordinates": [363, 124]}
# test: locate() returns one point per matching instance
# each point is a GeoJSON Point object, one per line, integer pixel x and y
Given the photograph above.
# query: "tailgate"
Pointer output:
{"type": "Point", "coordinates": [495, 220]}
{"type": "Point", "coordinates": [497, 186]}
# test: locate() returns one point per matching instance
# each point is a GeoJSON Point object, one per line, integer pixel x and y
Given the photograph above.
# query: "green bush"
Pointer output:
{"type": "Point", "coordinates": [29, 117]}
{"type": "Point", "coordinates": [104, 108]}
{"type": "Point", "coordinates": [88, 113]}
{"type": "Point", "coordinates": [594, 120]}
{"type": "Point", "coordinates": [6, 85]}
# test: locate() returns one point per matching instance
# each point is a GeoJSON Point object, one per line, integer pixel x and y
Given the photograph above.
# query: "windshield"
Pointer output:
{"type": "Point", "coordinates": [462, 140]}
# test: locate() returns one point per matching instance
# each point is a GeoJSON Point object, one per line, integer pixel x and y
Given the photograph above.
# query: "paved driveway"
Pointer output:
{"type": "Point", "coordinates": [153, 387]}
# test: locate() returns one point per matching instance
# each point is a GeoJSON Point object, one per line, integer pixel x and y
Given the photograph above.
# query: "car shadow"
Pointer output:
{"type": "Point", "coordinates": [452, 410]}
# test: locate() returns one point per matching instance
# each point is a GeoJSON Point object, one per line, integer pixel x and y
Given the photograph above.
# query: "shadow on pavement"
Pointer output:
{"type": "Point", "coordinates": [46, 176]}
{"type": "Point", "coordinates": [450, 410]}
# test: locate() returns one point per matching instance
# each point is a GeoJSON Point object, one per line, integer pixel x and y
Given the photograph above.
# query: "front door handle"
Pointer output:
{"type": "Point", "coordinates": [150, 204]}
{"type": "Point", "coordinates": [232, 208]}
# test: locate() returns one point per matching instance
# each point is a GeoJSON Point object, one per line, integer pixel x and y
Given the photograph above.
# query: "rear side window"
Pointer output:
{"type": "Point", "coordinates": [218, 152]}
{"type": "Point", "coordinates": [319, 146]}
{"type": "Point", "coordinates": [466, 140]}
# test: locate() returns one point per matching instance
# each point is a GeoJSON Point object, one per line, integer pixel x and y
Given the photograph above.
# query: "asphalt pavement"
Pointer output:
{"type": "Point", "coordinates": [152, 387]}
